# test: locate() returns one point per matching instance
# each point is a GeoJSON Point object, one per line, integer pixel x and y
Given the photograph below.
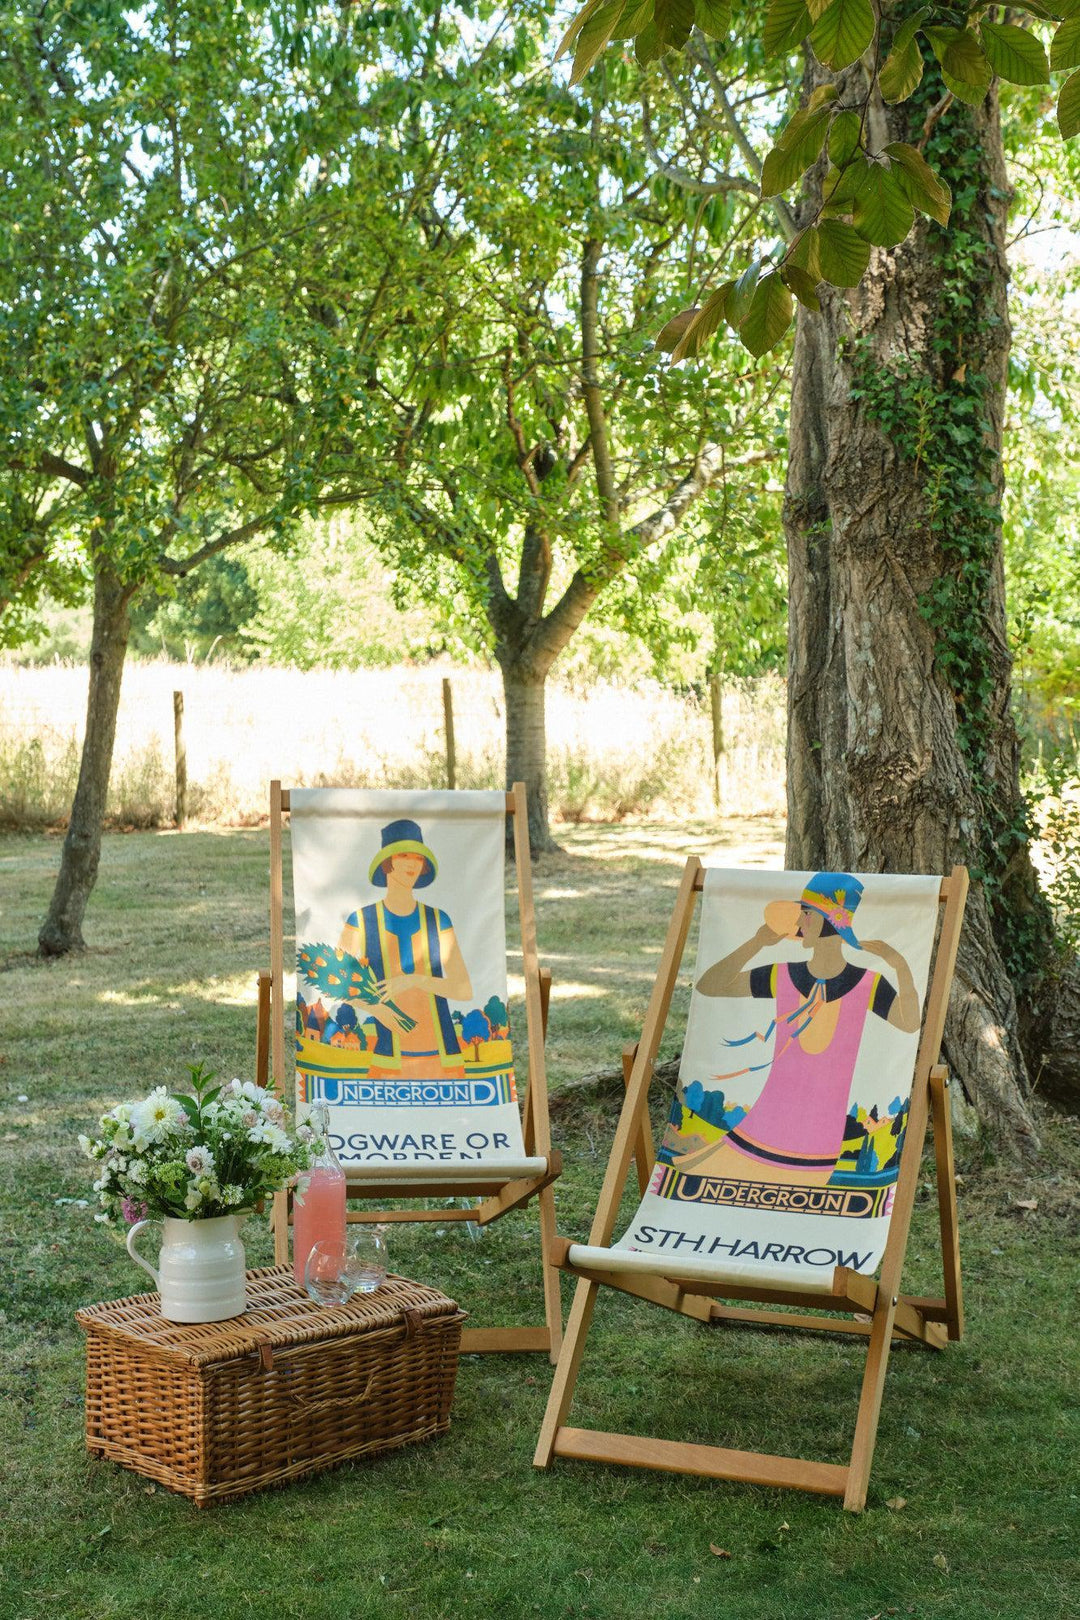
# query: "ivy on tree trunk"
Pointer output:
{"type": "Point", "coordinates": [903, 753]}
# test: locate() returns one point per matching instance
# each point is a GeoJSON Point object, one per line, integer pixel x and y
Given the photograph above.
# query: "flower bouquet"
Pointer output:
{"type": "Point", "coordinates": [200, 1160]}
{"type": "Point", "coordinates": [212, 1151]}
{"type": "Point", "coordinates": [338, 973]}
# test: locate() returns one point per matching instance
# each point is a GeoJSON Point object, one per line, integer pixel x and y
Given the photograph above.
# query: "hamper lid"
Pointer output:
{"type": "Point", "coordinates": [278, 1313]}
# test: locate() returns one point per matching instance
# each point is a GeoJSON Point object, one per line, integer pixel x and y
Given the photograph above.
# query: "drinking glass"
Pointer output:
{"type": "Point", "coordinates": [367, 1259]}
{"type": "Point", "coordinates": [327, 1274]}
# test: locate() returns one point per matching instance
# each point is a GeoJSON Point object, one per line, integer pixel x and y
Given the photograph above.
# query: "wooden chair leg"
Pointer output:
{"type": "Point", "coordinates": [552, 1290]}
{"type": "Point", "coordinates": [262, 1031]}
{"type": "Point", "coordinates": [873, 1387]}
{"type": "Point", "coordinates": [566, 1373]}
{"type": "Point", "coordinates": [946, 1188]}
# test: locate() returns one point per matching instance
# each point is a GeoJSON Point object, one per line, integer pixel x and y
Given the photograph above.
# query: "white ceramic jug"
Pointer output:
{"type": "Point", "coordinates": [201, 1268]}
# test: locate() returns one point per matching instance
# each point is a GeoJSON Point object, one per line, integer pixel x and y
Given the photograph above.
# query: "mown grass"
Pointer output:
{"type": "Point", "coordinates": [979, 1443]}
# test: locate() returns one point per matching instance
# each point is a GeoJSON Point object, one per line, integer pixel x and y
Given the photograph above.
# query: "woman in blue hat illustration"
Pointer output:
{"type": "Point", "coordinates": [414, 952]}
{"type": "Point", "coordinates": [794, 1131]}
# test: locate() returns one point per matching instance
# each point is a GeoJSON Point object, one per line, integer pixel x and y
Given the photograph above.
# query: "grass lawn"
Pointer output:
{"type": "Point", "coordinates": [974, 1495]}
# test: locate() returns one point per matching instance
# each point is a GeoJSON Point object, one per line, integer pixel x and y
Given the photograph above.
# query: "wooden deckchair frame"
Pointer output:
{"type": "Point", "coordinates": [881, 1312]}
{"type": "Point", "coordinates": [500, 1193]}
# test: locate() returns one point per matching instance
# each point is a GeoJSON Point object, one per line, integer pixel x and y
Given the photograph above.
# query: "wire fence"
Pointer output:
{"type": "Point", "coordinates": [613, 751]}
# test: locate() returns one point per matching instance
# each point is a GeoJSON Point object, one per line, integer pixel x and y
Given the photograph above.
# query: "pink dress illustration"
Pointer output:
{"type": "Point", "coordinates": [794, 1131]}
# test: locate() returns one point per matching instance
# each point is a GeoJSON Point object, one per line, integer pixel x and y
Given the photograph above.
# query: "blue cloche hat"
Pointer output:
{"type": "Point", "coordinates": [835, 895]}
{"type": "Point", "coordinates": [403, 838]}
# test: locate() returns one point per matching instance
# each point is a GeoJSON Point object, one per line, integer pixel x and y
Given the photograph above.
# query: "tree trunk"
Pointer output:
{"type": "Point", "coordinates": [61, 931]}
{"type": "Point", "coordinates": [902, 752]}
{"type": "Point", "coordinates": [526, 744]}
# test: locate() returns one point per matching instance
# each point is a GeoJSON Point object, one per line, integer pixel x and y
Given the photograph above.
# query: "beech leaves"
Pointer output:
{"type": "Point", "coordinates": [869, 198]}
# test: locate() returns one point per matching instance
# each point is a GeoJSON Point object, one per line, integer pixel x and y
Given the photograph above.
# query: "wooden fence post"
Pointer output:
{"type": "Point", "coordinates": [448, 725]}
{"type": "Point", "coordinates": [716, 699]}
{"type": "Point", "coordinates": [181, 758]}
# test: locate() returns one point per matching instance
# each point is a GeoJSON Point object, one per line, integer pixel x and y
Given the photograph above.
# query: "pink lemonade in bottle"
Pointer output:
{"type": "Point", "coordinates": [318, 1207]}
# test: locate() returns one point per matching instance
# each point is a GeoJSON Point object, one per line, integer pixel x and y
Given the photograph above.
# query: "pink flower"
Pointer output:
{"type": "Point", "coordinates": [133, 1211]}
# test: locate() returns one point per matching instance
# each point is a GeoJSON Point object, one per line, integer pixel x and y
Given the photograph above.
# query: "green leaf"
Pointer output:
{"type": "Point", "coordinates": [674, 20]}
{"type": "Point", "coordinates": [703, 324]}
{"type": "Point", "coordinates": [803, 286]}
{"type": "Point", "coordinates": [648, 46]}
{"type": "Point", "coordinates": [902, 71]}
{"type": "Point", "coordinates": [905, 34]}
{"type": "Point", "coordinates": [923, 187]}
{"type": "Point", "coordinates": [577, 25]}
{"type": "Point", "coordinates": [1065, 45]}
{"type": "Point", "coordinates": [822, 96]}
{"type": "Point", "coordinates": [1068, 108]}
{"type": "Point", "coordinates": [594, 37]}
{"type": "Point", "coordinates": [768, 317]}
{"type": "Point", "coordinates": [844, 137]}
{"type": "Point", "coordinates": [636, 15]}
{"type": "Point", "coordinates": [841, 186]}
{"type": "Point", "coordinates": [843, 32]}
{"type": "Point", "coordinates": [713, 17]}
{"type": "Point", "coordinates": [669, 334]}
{"type": "Point", "coordinates": [882, 212]}
{"type": "Point", "coordinates": [964, 67]}
{"type": "Point", "coordinates": [842, 252]}
{"type": "Point", "coordinates": [791, 157]}
{"type": "Point", "coordinates": [787, 23]}
{"type": "Point", "coordinates": [1014, 54]}
{"type": "Point", "coordinates": [741, 294]}
{"type": "Point", "coordinates": [804, 254]}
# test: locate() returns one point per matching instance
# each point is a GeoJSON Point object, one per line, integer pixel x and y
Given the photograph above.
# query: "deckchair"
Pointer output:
{"type": "Point", "coordinates": [419, 1085]}
{"type": "Point", "coordinates": [754, 1196]}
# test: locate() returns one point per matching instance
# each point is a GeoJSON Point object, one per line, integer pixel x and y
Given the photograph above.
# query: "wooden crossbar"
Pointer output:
{"type": "Point", "coordinates": [712, 1462]}
{"type": "Point", "coordinates": [500, 1195]}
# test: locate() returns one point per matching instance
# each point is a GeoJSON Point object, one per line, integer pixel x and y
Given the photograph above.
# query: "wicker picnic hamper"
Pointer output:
{"type": "Point", "coordinates": [220, 1408]}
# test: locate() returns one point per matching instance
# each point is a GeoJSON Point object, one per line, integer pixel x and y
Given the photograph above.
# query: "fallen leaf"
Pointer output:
{"type": "Point", "coordinates": [718, 1552]}
{"type": "Point", "coordinates": [696, 1580]}
{"type": "Point", "coordinates": [896, 1503]}
{"type": "Point", "coordinates": [1026, 1203]}
{"type": "Point", "coordinates": [941, 1562]}
{"type": "Point", "coordinates": [149, 1490]}
{"type": "Point", "coordinates": [785, 1525]}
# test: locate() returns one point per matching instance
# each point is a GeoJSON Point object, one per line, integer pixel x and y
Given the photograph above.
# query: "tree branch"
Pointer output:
{"type": "Point", "coordinates": [785, 218]}
{"type": "Point", "coordinates": [179, 567]}
{"type": "Point", "coordinates": [682, 177]}
{"type": "Point", "coordinates": [590, 382]}
{"type": "Point", "coordinates": [557, 628]}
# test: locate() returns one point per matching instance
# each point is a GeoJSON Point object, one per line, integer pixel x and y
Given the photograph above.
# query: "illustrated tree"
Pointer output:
{"type": "Point", "coordinates": [202, 243]}
{"type": "Point", "coordinates": [902, 752]}
{"type": "Point", "coordinates": [548, 465]}
{"type": "Point", "coordinates": [496, 1014]}
{"type": "Point", "coordinates": [474, 1030]}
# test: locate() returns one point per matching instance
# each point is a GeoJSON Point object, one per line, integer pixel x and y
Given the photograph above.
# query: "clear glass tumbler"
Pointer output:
{"type": "Point", "coordinates": [367, 1258]}
{"type": "Point", "coordinates": [328, 1274]}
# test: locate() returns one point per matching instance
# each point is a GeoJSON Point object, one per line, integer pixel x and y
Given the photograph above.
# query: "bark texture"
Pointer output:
{"type": "Point", "coordinates": [61, 931]}
{"type": "Point", "coordinates": [882, 775]}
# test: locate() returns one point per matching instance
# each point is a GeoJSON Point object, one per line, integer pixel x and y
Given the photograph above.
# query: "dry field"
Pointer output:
{"type": "Point", "coordinates": [613, 751]}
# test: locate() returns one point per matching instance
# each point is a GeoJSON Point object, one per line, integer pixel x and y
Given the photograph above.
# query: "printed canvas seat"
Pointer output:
{"type": "Point", "coordinates": [787, 1171]}
{"type": "Point", "coordinates": [402, 1023]}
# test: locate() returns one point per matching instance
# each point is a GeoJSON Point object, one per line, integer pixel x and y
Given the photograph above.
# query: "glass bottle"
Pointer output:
{"type": "Point", "coordinates": [319, 1200]}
